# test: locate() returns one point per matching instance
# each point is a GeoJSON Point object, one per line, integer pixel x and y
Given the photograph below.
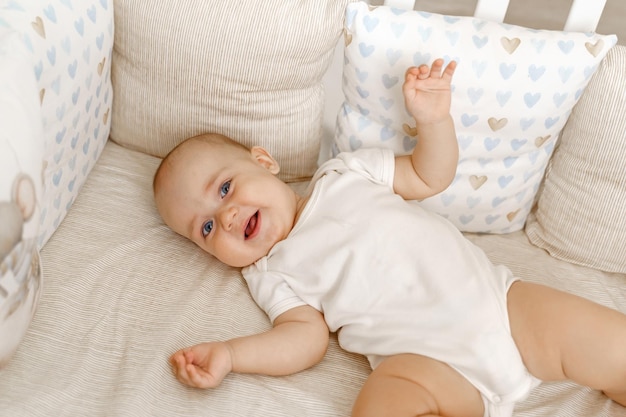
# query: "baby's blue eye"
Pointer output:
{"type": "Point", "coordinates": [206, 228]}
{"type": "Point", "coordinates": [224, 188]}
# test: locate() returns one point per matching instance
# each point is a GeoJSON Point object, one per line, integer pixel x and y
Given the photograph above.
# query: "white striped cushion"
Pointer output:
{"type": "Point", "coordinates": [581, 213]}
{"type": "Point", "coordinates": [249, 69]}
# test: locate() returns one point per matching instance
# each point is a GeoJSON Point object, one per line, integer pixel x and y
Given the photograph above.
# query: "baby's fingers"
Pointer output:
{"type": "Point", "coordinates": [188, 375]}
{"type": "Point", "coordinates": [435, 69]}
{"type": "Point", "coordinates": [448, 72]}
{"type": "Point", "coordinates": [179, 368]}
{"type": "Point", "coordinates": [176, 358]}
{"type": "Point", "coordinates": [199, 378]}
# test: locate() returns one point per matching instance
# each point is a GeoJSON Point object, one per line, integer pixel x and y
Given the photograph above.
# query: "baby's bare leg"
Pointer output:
{"type": "Point", "coordinates": [562, 336]}
{"type": "Point", "coordinates": [414, 385]}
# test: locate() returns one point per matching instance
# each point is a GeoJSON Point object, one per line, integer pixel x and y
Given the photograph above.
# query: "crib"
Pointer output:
{"type": "Point", "coordinates": [120, 292]}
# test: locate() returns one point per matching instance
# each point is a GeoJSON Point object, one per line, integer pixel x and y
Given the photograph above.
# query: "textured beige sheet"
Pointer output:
{"type": "Point", "coordinates": [121, 292]}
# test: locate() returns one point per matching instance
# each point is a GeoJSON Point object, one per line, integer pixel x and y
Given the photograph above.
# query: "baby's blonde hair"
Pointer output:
{"type": "Point", "coordinates": [210, 138]}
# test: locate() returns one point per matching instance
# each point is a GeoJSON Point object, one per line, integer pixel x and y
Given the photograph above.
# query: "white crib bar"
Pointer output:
{"type": "Point", "coordinates": [584, 15]}
{"type": "Point", "coordinates": [401, 4]}
{"type": "Point", "coordinates": [493, 10]}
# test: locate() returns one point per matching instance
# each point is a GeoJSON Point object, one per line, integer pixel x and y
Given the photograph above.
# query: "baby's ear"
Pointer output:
{"type": "Point", "coordinates": [264, 158]}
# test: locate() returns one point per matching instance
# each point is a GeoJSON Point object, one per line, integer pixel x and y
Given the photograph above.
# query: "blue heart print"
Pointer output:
{"type": "Point", "coordinates": [79, 25]}
{"type": "Point", "coordinates": [465, 141]}
{"type": "Point", "coordinates": [453, 37]}
{"type": "Point", "coordinates": [480, 41]}
{"type": "Point", "coordinates": [361, 75]}
{"type": "Point", "coordinates": [424, 33]}
{"type": "Point", "coordinates": [526, 123]}
{"type": "Point", "coordinates": [363, 123]}
{"type": "Point", "coordinates": [447, 199]}
{"type": "Point", "coordinates": [473, 201]}
{"type": "Point", "coordinates": [393, 55]}
{"type": "Point", "coordinates": [60, 135]}
{"type": "Point", "coordinates": [91, 13]}
{"type": "Point", "coordinates": [516, 144]}
{"type": "Point", "coordinates": [508, 161]}
{"type": "Point", "coordinates": [363, 110]}
{"type": "Point", "coordinates": [70, 185]}
{"type": "Point", "coordinates": [75, 96]}
{"type": "Point", "coordinates": [387, 133]}
{"type": "Point", "coordinates": [531, 99]}
{"type": "Point", "coordinates": [408, 143]}
{"type": "Point", "coordinates": [479, 68]}
{"type": "Point", "coordinates": [538, 44]}
{"type": "Point", "coordinates": [497, 201]}
{"type": "Point", "coordinates": [58, 155]}
{"type": "Point", "coordinates": [71, 69]}
{"type": "Point", "coordinates": [420, 58]}
{"type": "Point", "coordinates": [566, 46]}
{"type": "Point", "coordinates": [60, 111]}
{"type": "Point", "coordinates": [366, 50]}
{"type": "Point", "coordinates": [551, 121]}
{"type": "Point", "coordinates": [451, 19]}
{"type": "Point", "coordinates": [505, 180]}
{"type": "Point", "coordinates": [475, 94]}
{"type": "Point", "coordinates": [468, 119]}
{"type": "Point", "coordinates": [507, 70]}
{"type": "Point", "coordinates": [100, 41]}
{"type": "Point", "coordinates": [491, 143]}
{"type": "Point", "coordinates": [52, 55]}
{"type": "Point", "coordinates": [389, 81]}
{"type": "Point", "coordinates": [397, 29]}
{"type": "Point", "coordinates": [559, 98]}
{"type": "Point", "coordinates": [355, 143]}
{"type": "Point", "coordinates": [466, 218]}
{"type": "Point", "coordinates": [387, 103]}
{"type": "Point", "coordinates": [370, 23]}
{"type": "Point", "coordinates": [535, 72]}
{"type": "Point", "coordinates": [490, 219]}
{"type": "Point", "coordinates": [565, 73]}
{"type": "Point", "coordinates": [50, 13]}
{"type": "Point", "coordinates": [503, 97]}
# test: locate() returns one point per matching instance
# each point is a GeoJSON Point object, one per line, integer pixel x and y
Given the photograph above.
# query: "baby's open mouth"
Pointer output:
{"type": "Point", "coordinates": [251, 228]}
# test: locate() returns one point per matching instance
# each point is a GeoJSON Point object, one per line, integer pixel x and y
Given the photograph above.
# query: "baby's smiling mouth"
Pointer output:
{"type": "Point", "coordinates": [252, 227]}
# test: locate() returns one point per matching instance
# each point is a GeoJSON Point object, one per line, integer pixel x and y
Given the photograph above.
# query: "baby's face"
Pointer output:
{"type": "Point", "coordinates": [227, 201]}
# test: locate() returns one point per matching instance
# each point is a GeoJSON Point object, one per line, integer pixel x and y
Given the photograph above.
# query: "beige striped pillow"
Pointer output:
{"type": "Point", "coordinates": [249, 69]}
{"type": "Point", "coordinates": [581, 213]}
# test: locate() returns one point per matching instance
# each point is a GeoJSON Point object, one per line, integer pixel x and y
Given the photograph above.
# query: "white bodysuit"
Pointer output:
{"type": "Point", "coordinates": [391, 277]}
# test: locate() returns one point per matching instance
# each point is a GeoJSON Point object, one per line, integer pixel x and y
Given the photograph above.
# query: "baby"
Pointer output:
{"type": "Point", "coordinates": [446, 332]}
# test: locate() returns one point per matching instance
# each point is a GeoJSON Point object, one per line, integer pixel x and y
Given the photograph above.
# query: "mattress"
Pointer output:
{"type": "Point", "coordinates": [122, 292]}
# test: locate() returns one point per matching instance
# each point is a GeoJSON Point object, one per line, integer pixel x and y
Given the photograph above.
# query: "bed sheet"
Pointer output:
{"type": "Point", "coordinates": [121, 292]}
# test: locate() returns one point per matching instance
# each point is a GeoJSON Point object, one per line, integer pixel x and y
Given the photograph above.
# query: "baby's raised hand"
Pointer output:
{"type": "Point", "coordinates": [202, 366]}
{"type": "Point", "coordinates": [427, 91]}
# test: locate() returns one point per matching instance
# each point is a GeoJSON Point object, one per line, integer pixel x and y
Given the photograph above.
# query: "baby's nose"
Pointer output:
{"type": "Point", "coordinates": [227, 217]}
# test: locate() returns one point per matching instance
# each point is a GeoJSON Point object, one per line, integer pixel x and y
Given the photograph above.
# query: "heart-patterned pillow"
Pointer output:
{"type": "Point", "coordinates": [21, 162]}
{"type": "Point", "coordinates": [70, 44]}
{"type": "Point", "coordinates": [513, 91]}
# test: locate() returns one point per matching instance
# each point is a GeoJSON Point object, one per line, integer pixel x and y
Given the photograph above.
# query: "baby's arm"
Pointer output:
{"type": "Point", "coordinates": [297, 341]}
{"type": "Point", "coordinates": [432, 166]}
